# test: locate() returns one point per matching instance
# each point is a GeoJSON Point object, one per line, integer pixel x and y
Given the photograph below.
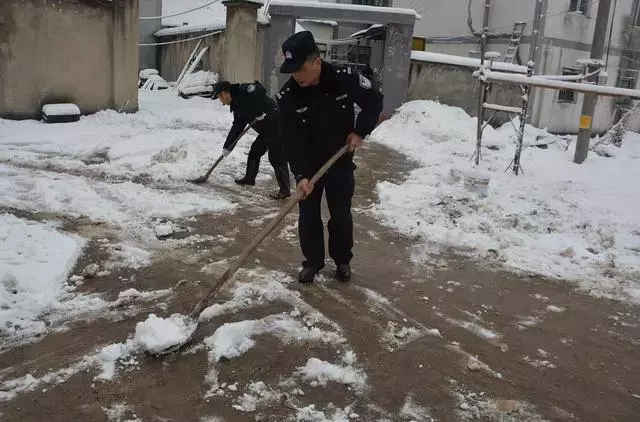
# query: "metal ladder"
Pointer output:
{"type": "Point", "coordinates": [514, 42]}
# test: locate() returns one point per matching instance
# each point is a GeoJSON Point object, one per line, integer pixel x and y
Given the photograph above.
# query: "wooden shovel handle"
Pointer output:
{"type": "Point", "coordinates": [263, 234]}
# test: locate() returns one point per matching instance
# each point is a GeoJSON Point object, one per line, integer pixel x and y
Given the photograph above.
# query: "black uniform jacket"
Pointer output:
{"type": "Point", "coordinates": [316, 120]}
{"type": "Point", "coordinates": [249, 101]}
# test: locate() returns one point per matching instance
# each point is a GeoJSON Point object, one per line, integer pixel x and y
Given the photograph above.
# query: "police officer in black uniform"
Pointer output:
{"type": "Point", "coordinates": [248, 101]}
{"type": "Point", "coordinates": [318, 118]}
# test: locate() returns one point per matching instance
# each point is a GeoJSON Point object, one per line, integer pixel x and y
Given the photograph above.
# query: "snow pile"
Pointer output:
{"type": "Point", "coordinates": [558, 219]}
{"type": "Point", "coordinates": [35, 261]}
{"type": "Point", "coordinates": [154, 335]}
{"type": "Point", "coordinates": [319, 372]}
{"type": "Point", "coordinates": [234, 339]}
{"type": "Point", "coordinates": [157, 334]}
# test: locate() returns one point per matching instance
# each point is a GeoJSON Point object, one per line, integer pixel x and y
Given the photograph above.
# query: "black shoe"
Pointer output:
{"type": "Point", "coordinates": [252, 171]}
{"type": "Point", "coordinates": [343, 272]}
{"type": "Point", "coordinates": [280, 195]}
{"type": "Point", "coordinates": [307, 275]}
{"type": "Point", "coordinates": [282, 177]}
{"type": "Point", "coordinates": [245, 181]}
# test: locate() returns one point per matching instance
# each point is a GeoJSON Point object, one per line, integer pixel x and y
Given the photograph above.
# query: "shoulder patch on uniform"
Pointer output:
{"type": "Point", "coordinates": [364, 82]}
{"type": "Point", "coordinates": [302, 110]}
{"type": "Point", "coordinates": [278, 95]}
{"type": "Point", "coordinates": [251, 88]}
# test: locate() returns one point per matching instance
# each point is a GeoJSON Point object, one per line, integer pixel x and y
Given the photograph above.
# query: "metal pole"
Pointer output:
{"type": "Point", "coordinates": [482, 90]}
{"type": "Point", "coordinates": [589, 102]}
{"type": "Point", "coordinates": [527, 89]}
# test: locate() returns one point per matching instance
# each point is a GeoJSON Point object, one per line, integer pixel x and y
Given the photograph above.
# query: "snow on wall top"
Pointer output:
{"type": "Point", "coordinates": [188, 29]}
{"type": "Point", "coordinates": [340, 6]}
{"type": "Point", "coordinates": [424, 56]}
{"type": "Point", "coordinates": [210, 18]}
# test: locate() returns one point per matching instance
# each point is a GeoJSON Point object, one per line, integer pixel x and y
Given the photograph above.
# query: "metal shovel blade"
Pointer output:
{"type": "Point", "coordinates": [199, 180]}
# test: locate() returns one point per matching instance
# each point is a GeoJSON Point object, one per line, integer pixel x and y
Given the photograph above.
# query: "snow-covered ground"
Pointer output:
{"type": "Point", "coordinates": [93, 168]}
{"type": "Point", "coordinates": [558, 219]}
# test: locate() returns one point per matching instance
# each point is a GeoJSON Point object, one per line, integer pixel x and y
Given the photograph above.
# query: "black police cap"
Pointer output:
{"type": "Point", "coordinates": [222, 86]}
{"type": "Point", "coordinates": [296, 49]}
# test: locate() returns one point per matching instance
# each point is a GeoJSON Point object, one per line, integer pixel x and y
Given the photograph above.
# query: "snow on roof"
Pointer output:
{"type": "Point", "coordinates": [363, 31]}
{"type": "Point", "coordinates": [299, 28]}
{"type": "Point", "coordinates": [340, 6]}
{"type": "Point", "coordinates": [332, 23]}
{"type": "Point", "coordinates": [210, 18]}
{"type": "Point", "coordinates": [425, 56]}
{"type": "Point", "coordinates": [188, 29]}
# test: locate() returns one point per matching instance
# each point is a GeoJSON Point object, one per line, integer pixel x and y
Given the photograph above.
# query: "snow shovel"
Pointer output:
{"type": "Point", "coordinates": [204, 178]}
{"type": "Point", "coordinates": [194, 316]}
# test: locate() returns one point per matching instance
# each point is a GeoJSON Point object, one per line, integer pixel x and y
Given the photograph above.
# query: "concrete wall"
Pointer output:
{"type": "Point", "coordinates": [173, 57]}
{"type": "Point", "coordinates": [148, 59]}
{"type": "Point", "coordinates": [456, 86]}
{"type": "Point", "coordinates": [85, 52]}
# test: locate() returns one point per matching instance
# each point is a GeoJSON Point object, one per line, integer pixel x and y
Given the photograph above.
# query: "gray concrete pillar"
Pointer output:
{"type": "Point", "coordinates": [241, 40]}
{"type": "Point", "coordinates": [395, 71]}
{"type": "Point", "coordinates": [148, 27]}
{"type": "Point", "coordinates": [126, 36]}
{"type": "Point", "coordinates": [280, 28]}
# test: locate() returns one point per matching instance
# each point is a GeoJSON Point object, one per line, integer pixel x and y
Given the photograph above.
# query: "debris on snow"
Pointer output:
{"type": "Point", "coordinates": [90, 271]}
{"type": "Point", "coordinates": [412, 411]}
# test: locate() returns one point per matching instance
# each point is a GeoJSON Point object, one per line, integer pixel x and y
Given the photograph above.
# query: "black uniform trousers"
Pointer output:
{"type": "Point", "coordinates": [339, 186]}
{"type": "Point", "coordinates": [269, 140]}
{"type": "Point", "coordinates": [264, 143]}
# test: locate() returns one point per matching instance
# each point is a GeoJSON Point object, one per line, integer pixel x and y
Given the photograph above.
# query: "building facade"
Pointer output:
{"type": "Point", "coordinates": [566, 31]}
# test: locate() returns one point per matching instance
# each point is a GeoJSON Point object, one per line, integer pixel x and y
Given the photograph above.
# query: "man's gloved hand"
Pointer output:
{"type": "Point", "coordinates": [225, 152]}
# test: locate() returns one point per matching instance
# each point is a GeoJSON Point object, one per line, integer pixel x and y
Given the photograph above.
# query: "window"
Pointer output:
{"type": "Point", "coordinates": [379, 3]}
{"type": "Point", "coordinates": [568, 96]}
{"type": "Point", "coordinates": [419, 44]}
{"type": "Point", "coordinates": [581, 6]}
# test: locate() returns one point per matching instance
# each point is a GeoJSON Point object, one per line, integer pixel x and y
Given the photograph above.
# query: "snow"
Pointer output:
{"type": "Point", "coordinates": [528, 220]}
{"type": "Point", "coordinates": [101, 201]}
{"type": "Point", "coordinates": [425, 56]}
{"type": "Point", "coordinates": [35, 261]}
{"type": "Point", "coordinates": [145, 73]}
{"type": "Point", "coordinates": [350, 7]}
{"type": "Point", "coordinates": [63, 109]}
{"type": "Point", "coordinates": [321, 372]}
{"type": "Point", "coordinates": [604, 90]}
{"type": "Point", "coordinates": [158, 334]}
{"type": "Point", "coordinates": [234, 339]}
{"type": "Point", "coordinates": [215, 26]}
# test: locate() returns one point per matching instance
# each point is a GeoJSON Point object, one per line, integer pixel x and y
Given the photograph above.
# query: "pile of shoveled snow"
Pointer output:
{"type": "Point", "coordinates": [35, 261]}
{"type": "Point", "coordinates": [558, 219]}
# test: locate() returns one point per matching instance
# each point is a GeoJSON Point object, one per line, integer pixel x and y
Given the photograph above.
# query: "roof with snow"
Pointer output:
{"type": "Point", "coordinates": [212, 17]}
{"type": "Point", "coordinates": [343, 12]}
